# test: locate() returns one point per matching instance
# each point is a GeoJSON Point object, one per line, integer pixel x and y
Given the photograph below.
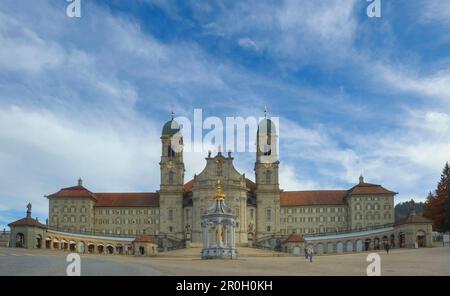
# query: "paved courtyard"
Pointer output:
{"type": "Point", "coordinates": [426, 261]}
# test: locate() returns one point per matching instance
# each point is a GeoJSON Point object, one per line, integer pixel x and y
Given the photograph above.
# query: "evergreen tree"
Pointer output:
{"type": "Point", "coordinates": [428, 211]}
{"type": "Point", "coordinates": [446, 224]}
{"type": "Point", "coordinates": [438, 205]}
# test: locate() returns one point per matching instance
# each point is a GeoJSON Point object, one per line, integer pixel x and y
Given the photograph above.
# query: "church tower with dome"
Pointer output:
{"type": "Point", "coordinates": [172, 180]}
{"type": "Point", "coordinates": [266, 176]}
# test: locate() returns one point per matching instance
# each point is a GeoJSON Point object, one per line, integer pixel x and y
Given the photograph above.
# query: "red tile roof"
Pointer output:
{"type": "Point", "coordinates": [287, 198]}
{"type": "Point", "coordinates": [367, 188]}
{"type": "Point", "coordinates": [317, 197]}
{"type": "Point", "coordinates": [27, 222]}
{"type": "Point", "coordinates": [75, 191]}
{"type": "Point", "coordinates": [150, 199]}
{"type": "Point", "coordinates": [414, 219]}
{"type": "Point", "coordinates": [249, 184]}
{"type": "Point", "coordinates": [294, 238]}
{"type": "Point", "coordinates": [188, 186]}
{"type": "Point", "coordinates": [144, 238]}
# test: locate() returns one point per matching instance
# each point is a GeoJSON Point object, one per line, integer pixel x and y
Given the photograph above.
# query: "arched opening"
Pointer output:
{"type": "Point", "coordinates": [64, 245]}
{"type": "Point", "coordinates": [349, 246]}
{"type": "Point", "coordinates": [48, 242]}
{"type": "Point", "coordinates": [268, 177]}
{"type": "Point", "coordinates": [100, 249]}
{"type": "Point", "coordinates": [170, 152]}
{"type": "Point", "coordinates": [319, 248]}
{"type": "Point", "coordinates": [421, 238]}
{"type": "Point", "coordinates": [20, 240]}
{"type": "Point", "coordinates": [128, 250]}
{"type": "Point", "coordinates": [385, 241]}
{"type": "Point", "coordinates": [72, 246]}
{"type": "Point", "coordinates": [401, 240]}
{"type": "Point", "coordinates": [392, 241]}
{"type": "Point", "coordinates": [171, 177]}
{"type": "Point", "coordinates": [330, 248]}
{"type": "Point", "coordinates": [38, 241]}
{"type": "Point", "coordinates": [91, 248]}
{"type": "Point", "coordinates": [119, 249]}
{"type": "Point", "coordinates": [81, 247]}
{"type": "Point", "coordinates": [141, 251]}
{"type": "Point", "coordinates": [339, 247]}
{"type": "Point", "coordinates": [376, 243]}
{"type": "Point", "coordinates": [55, 244]}
{"type": "Point", "coordinates": [110, 249]}
{"type": "Point", "coordinates": [359, 246]}
{"type": "Point", "coordinates": [367, 244]}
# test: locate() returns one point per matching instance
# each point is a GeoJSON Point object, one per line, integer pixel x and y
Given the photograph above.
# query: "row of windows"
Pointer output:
{"type": "Point", "coordinates": [72, 201]}
{"type": "Point", "coordinates": [312, 210]}
{"type": "Point", "coordinates": [69, 210]}
{"type": "Point", "coordinates": [375, 216]}
{"type": "Point", "coordinates": [320, 229]}
{"type": "Point", "coordinates": [373, 198]}
{"type": "Point", "coordinates": [71, 219]}
{"type": "Point", "coordinates": [128, 212]}
{"type": "Point", "coordinates": [373, 207]}
{"type": "Point", "coordinates": [313, 219]}
{"type": "Point", "coordinates": [121, 231]}
{"type": "Point", "coordinates": [110, 231]}
{"type": "Point", "coordinates": [119, 221]}
{"type": "Point", "coordinates": [109, 211]}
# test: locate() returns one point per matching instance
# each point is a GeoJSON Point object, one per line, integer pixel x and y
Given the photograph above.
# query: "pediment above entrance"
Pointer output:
{"type": "Point", "coordinates": [220, 168]}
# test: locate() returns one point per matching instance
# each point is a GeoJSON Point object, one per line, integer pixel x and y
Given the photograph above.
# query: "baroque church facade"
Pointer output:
{"type": "Point", "coordinates": [261, 208]}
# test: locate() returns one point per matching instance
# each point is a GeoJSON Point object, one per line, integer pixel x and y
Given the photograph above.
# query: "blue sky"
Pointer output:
{"type": "Point", "coordinates": [88, 97]}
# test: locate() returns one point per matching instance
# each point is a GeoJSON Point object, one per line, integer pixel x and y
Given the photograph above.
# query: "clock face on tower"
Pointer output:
{"type": "Point", "coordinates": [170, 164]}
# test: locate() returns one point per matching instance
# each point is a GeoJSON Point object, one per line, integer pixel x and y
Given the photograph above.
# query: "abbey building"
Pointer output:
{"type": "Point", "coordinates": [261, 208]}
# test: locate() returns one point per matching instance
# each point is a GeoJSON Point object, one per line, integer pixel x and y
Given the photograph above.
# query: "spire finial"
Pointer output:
{"type": "Point", "coordinates": [29, 210]}
{"type": "Point", "coordinates": [361, 179]}
{"type": "Point", "coordinates": [265, 111]}
{"type": "Point", "coordinates": [172, 114]}
{"type": "Point", "coordinates": [412, 208]}
{"type": "Point", "coordinates": [80, 182]}
{"type": "Point", "coordinates": [219, 193]}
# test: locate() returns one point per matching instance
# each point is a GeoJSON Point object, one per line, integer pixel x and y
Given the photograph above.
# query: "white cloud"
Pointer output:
{"type": "Point", "coordinates": [248, 43]}
{"type": "Point", "coordinates": [436, 85]}
{"type": "Point", "coordinates": [297, 31]}
{"type": "Point", "coordinates": [42, 149]}
{"type": "Point", "coordinates": [435, 11]}
{"type": "Point", "coordinates": [23, 50]}
{"type": "Point", "coordinates": [290, 181]}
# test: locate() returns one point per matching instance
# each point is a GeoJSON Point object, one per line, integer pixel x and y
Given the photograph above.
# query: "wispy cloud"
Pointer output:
{"type": "Point", "coordinates": [433, 86]}
{"type": "Point", "coordinates": [435, 11]}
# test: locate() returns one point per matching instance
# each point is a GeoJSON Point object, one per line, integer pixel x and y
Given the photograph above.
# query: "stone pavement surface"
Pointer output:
{"type": "Point", "coordinates": [426, 261]}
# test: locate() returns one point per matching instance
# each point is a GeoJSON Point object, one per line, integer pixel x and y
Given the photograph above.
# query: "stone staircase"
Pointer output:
{"type": "Point", "coordinates": [243, 252]}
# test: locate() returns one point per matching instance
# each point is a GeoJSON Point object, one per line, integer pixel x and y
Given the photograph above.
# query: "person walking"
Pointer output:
{"type": "Point", "coordinates": [387, 248]}
{"type": "Point", "coordinates": [310, 254]}
{"type": "Point", "coordinates": [306, 253]}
